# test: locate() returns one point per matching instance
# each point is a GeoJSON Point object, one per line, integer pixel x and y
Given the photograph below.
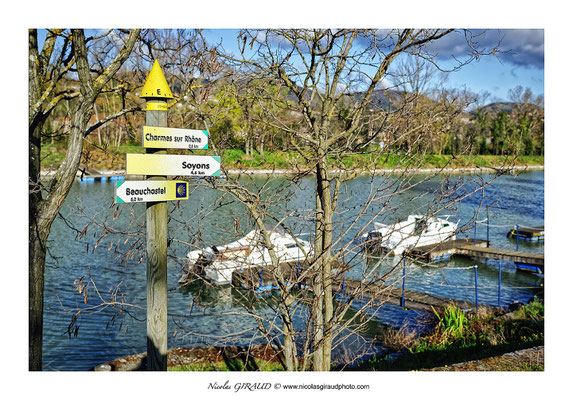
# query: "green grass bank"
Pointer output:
{"type": "Point", "coordinates": [113, 158]}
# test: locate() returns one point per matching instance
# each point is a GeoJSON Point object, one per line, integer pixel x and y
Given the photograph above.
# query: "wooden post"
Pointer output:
{"type": "Point", "coordinates": [516, 237]}
{"type": "Point", "coordinates": [156, 93]}
{"type": "Point", "coordinates": [476, 281]}
{"type": "Point", "coordinates": [156, 266]}
{"type": "Point", "coordinates": [487, 241]}
{"type": "Point", "coordinates": [403, 302]}
{"type": "Point", "coordinates": [499, 287]}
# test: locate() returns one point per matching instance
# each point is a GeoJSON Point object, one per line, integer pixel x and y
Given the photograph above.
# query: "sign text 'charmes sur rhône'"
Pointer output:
{"type": "Point", "coordinates": [174, 138]}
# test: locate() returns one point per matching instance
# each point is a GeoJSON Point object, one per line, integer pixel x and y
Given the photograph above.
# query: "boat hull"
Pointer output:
{"type": "Point", "coordinates": [217, 263]}
{"type": "Point", "coordinates": [416, 231]}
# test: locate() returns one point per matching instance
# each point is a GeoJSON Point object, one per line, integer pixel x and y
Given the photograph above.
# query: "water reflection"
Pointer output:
{"type": "Point", "coordinates": [204, 315]}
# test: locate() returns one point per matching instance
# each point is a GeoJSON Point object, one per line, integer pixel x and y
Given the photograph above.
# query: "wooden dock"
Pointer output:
{"type": "Point", "coordinates": [87, 175]}
{"type": "Point", "coordinates": [261, 279]}
{"type": "Point", "coordinates": [444, 250]}
{"type": "Point", "coordinates": [477, 248]}
{"type": "Point", "coordinates": [503, 254]}
{"type": "Point", "coordinates": [393, 295]}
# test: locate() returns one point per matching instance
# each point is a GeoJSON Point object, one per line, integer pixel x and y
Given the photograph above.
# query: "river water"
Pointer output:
{"type": "Point", "coordinates": [99, 333]}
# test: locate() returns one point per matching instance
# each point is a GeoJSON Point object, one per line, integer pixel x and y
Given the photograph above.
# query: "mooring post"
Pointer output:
{"type": "Point", "coordinates": [516, 237]}
{"type": "Point", "coordinates": [156, 93]}
{"type": "Point", "coordinates": [476, 280]}
{"type": "Point", "coordinates": [403, 284]}
{"type": "Point", "coordinates": [298, 263]}
{"type": "Point", "coordinates": [487, 242]}
{"type": "Point", "coordinates": [499, 287]}
{"type": "Point", "coordinates": [262, 267]}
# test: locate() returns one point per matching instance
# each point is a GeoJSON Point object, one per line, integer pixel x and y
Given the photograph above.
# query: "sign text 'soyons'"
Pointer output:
{"type": "Point", "coordinates": [173, 164]}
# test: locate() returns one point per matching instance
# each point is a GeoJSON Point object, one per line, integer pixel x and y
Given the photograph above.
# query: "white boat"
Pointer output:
{"type": "Point", "coordinates": [416, 231]}
{"type": "Point", "coordinates": [217, 263]}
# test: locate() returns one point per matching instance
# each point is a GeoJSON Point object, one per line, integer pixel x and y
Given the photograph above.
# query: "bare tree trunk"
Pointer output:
{"type": "Point", "coordinates": [324, 311]}
{"type": "Point", "coordinates": [37, 251]}
{"type": "Point", "coordinates": [247, 146]}
{"type": "Point", "coordinates": [42, 214]}
{"type": "Point", "coordinates": [37, 254]}
{"type": "Point", "coordinates": [262, 145]}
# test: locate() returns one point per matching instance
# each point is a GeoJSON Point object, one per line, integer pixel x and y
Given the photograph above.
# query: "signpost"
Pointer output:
{"type": "Point", "coordinates": [155, 191]}
{"type": "Point", "coordinates": [144, 191]}
{"type": "Point", "coordinates": [173, 138]}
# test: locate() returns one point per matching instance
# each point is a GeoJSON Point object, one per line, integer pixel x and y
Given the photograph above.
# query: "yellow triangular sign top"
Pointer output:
{"type": "Point", "coordinates": [156, 86]}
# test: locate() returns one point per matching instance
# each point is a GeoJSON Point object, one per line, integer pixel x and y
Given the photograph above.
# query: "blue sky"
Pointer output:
{"type": "Point", "coordinates": [520, 63]}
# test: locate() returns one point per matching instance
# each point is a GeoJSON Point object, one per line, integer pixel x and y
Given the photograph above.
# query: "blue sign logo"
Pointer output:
{"type": "Point", "coordinates": [180, 190]}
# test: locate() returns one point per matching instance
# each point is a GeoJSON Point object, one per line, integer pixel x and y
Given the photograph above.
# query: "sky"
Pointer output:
{"type": "Point", "coordinates": [520, 61]}
{"type": "Point", "coordinates": [523, 63]}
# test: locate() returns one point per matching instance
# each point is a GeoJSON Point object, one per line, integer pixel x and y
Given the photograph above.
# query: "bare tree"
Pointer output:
{"type": "Point", "coordinates": [320, 68]}
{"type": "Point", "coordinates": [61, 52]}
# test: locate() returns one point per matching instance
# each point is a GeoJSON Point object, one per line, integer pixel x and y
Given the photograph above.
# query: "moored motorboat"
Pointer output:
{"type": "Point", "coordinates": [217, 263]}
{"type": "Point", "coordinates": [415, 231]}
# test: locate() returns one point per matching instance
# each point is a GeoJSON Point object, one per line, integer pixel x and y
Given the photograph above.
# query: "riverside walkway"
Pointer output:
{"type": "Point", "coordinates": [475, 248]}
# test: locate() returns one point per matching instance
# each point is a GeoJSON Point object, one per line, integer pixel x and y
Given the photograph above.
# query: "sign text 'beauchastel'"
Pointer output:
{"type": "Point", "coordinates": [144, 191]}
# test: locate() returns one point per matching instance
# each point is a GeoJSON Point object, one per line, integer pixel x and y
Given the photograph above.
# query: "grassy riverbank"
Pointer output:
{"type": "Point", "coordinates": [458, 342]}
{"type": "Point", "coordinates": [462, 338]}
{"type": "Point", "coordinates": [114, 159]}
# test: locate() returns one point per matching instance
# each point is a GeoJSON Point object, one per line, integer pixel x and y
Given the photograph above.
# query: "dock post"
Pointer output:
{"type": "Point", "coordinates": [516, 237]}
{"type": "Point", "coordinates": [403, 284]}
{"type": "Point", "coordinates": [487, 242]}
{"type": "Point", "coordinates": [499, 287]}
{"type": "Point", "coordinates": [476, 280]}
{"type": "Point", "coordinates": [298, 264]}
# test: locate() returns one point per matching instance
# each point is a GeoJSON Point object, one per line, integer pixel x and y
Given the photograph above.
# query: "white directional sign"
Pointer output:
{"type": "Point", "coordinates": [173, 138]}
{"type": "Point", "coordinates": [143, 191]}
{"type": "Point", "coordinates": [171, 164]}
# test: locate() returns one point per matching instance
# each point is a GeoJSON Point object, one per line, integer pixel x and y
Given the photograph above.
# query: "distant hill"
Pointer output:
{"type": "Point", "coordinates": [497, 107]}
{"type": "Point", "coordinates": [380, 99]}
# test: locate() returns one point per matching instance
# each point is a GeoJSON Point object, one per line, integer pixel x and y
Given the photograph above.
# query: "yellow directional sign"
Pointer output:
{"type": "Point", "coordinates": [174, 138]}
{"type": "Point", "coordinates": [173, 164]}
{"type": "Point", "coordinates": [144, 191]}
{"type": "Point", "coordinates": [156, 85]}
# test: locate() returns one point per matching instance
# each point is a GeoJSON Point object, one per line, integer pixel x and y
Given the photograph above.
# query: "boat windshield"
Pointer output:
{"type": "Point", "coordinates": [420, 226]}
